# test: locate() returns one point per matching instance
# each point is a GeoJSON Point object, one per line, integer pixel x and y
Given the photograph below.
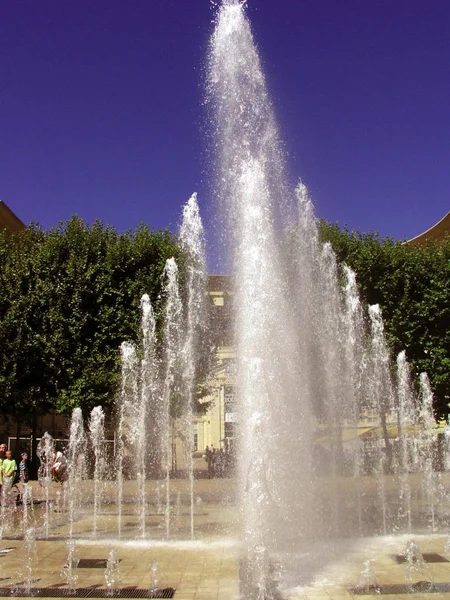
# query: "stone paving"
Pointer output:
{"type": "Point", "coordinates": [340, 578]}
{"type": "Point", "coordinates": [207, 567]}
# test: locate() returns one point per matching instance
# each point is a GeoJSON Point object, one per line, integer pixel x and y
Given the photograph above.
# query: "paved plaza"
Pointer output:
{"type": "Point", "coordinates": [206, 568]}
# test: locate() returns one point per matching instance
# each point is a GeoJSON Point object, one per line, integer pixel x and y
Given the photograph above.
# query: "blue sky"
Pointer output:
{"type": "Point", "coordinates": [102, 115]}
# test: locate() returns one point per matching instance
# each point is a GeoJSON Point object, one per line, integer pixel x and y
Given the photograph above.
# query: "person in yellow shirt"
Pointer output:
{"type": "Point", "coordinates": [9, 469]}
{"type": "Point", "coordinates": [2, 456]}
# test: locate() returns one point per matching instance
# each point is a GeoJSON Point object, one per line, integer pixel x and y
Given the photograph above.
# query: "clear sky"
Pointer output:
{"type": "Point", "coordinates": [101, 108]}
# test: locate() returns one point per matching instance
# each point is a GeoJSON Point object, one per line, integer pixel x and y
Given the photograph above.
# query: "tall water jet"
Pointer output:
{"type": "Point", "coordinates": [381, 401]}
{"type": "Point", "coordinates": [147, 395]}
{"type": "Point", "coordinates": [97, 437]}
{"type": "Point", "coordinates": [305, 290]}
{"type": "Point", "coordinates": [76, 466]}
{"type": "Point", "coordinates": [268, 375]}
{"type": "Point", "coordinates": [426, 412]}
{"type": "Point", "coordinates": [334, 375]}
{"type": "Point", "coordinates": [355, 350]}
{"type": "Point", "coordinates": [126, 399]}
{"type": "Point", "coordinates": [318, 325]}
{"type": "Point", "coordinates": [406, 418]}
{"type": "Point", "coordinates": [192, 241]}
{"type": "Point", "coordinates": [170, 385]}
{"type": "Point", "coordinates": [135, 441]}
{"type": "Point", "coordinates": [45, 451]}
{"type": "Point", "coordinates": [428, 450]}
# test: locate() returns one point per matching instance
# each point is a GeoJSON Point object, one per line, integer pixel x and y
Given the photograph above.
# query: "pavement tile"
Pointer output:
{"type": "Point", "coordinates": [207, 571]}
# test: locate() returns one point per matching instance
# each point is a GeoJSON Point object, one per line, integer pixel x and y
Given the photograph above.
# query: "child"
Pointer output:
{"type": "Point", "coordinates": [23, 477]}
{"type": "Point", "coordinates": [23, 468]}
{"type": "Point", "coordinates": [9, 469]}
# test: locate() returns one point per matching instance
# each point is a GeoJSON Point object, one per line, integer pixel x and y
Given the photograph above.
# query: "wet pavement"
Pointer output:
{"type": "Point", "coordinates": [206, 567]}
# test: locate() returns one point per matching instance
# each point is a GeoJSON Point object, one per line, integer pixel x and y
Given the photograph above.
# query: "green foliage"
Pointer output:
{"type": "Point", "coordinates": [411, 284]}
{"type": "Point", "coordinates": [68, 298]}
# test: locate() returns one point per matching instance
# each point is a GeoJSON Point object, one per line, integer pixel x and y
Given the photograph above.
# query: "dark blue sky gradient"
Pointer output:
{"type": "Point", "coordinates": [101, 108]}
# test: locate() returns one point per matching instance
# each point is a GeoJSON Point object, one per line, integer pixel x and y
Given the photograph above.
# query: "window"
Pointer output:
{"type": "Point", "coordinates": [229, 396]}
{"type": "Point", "coordinates": [195, 439]}
{"type": "Point", "coordinates": [229, 430]}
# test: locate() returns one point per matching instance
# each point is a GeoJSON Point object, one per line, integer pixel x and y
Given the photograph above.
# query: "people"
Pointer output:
{"type": "Point", "coordinates": [59, 467]}
{"type": "Point", "coordinates": [210, 457]}
{"type": "Point", "coordinates": [9, 469]}
{"type": "Point", "coordinates": [23, 470]}
{"type": "Point", "coordinates": [220, 463]}
{"type": "Point", "coordinates": [2, 457]}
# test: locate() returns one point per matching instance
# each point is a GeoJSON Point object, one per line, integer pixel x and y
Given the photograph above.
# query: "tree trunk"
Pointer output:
{"type": "Point", "coordinates": [17, 447]}
{"type": "Point", "coordinates": [34, 463]}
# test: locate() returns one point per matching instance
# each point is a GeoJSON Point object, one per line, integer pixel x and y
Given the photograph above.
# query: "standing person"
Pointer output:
{"type": "Point", "coordinates": [211, 459]}
{"type": "Point", "coordinates": [23, 470]}
{"type": "Point", "coordinates": [9, 469]}
{"type": "Point", "coordinates": [206, 456]}
{"type": "Point", "coordinates": [220, 462]}
{"type": "Point", "coordinates": [2, 457]}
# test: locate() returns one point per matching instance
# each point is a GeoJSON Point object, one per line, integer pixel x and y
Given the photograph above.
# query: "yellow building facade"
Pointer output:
{"type": "Point", "coordinates": [217, 426]}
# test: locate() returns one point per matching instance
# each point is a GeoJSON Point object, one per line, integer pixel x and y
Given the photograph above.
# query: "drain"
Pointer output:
{"type": "Point", "coordinates": [421, 587]}
{"type": "Point", "coordinates": [429, 557]}
{"type": "Point", "coordinates": [87, 593]}
{"type": "Point", "coordinates": [163, 593]}
{"type": "Point", "coordinates": [93, 563]}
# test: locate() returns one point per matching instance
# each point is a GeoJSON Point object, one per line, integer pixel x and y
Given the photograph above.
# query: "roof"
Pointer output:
{"type": "Point", "coordinates": [435, 233]}
{"type": "Point", "coordinates": [9, 220]}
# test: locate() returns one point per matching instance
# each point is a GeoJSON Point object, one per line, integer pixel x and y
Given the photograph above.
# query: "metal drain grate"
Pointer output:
{"type": "Point", "coordinates": [164, 593]}
{"type": "Point", "coordinates": [421, 587]}
{"type": "Point", "coordinates": [93, 563]}
{"type": "Point", "coordinates": [130, 592]}
{"type": "Point", "coordinates": [429, 557]}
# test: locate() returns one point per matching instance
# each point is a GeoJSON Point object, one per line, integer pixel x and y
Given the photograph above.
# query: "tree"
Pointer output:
{"type": "Point", "coordinates": [68, 298]}
{"type": "Point", "coordinates": [411, 285]}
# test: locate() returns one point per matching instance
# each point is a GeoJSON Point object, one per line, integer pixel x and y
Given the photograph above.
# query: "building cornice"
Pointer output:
{"type": "Point", "coordinates": [435, 233]}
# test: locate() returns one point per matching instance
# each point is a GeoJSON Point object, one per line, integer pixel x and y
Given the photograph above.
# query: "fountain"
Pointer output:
{"type": "Point", "coordinates": [306, 359]}
{"type": "Point", "coordinates": [76, 467]}
{"type": "Point", "coordinates": [69, 569]}
{"type": "Point", "coordinates": [97, 436]}
{"type": "Point", "coordinates": [45, 451]}
{"type": "Point", "coordinates": [154, 569]}
{"type": "Point", "coordinates": [314, 375]}
{"type": "Point", "coordinates": [125, 418]}
{"type": "Point", "coordinates": [192, 241]}
{"type": "Point", "coordinates": [27, 505]}
{"type": "Point", "coordinates": [417, 568]}
{"type": "Point", "coordinates": [147, 392]}
{"type": "Point", "coordinates": [139, 389]}
{"type": "Point", "coordinates": [112, 574]}
{"type": "Point", "coordinates": [172, 348]}
{"type": "Point", "coordinates": [29, 560]}
{"type": "Point", "coordinates": [368, 580]}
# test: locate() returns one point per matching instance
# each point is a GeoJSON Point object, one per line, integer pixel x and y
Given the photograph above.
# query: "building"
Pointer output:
{"type": "Point", "coordinates": [9, 220]}
{"type": "Point", "coordinates": [436, 233]}
{"type": "Point", "coordinates": [216, 426]}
